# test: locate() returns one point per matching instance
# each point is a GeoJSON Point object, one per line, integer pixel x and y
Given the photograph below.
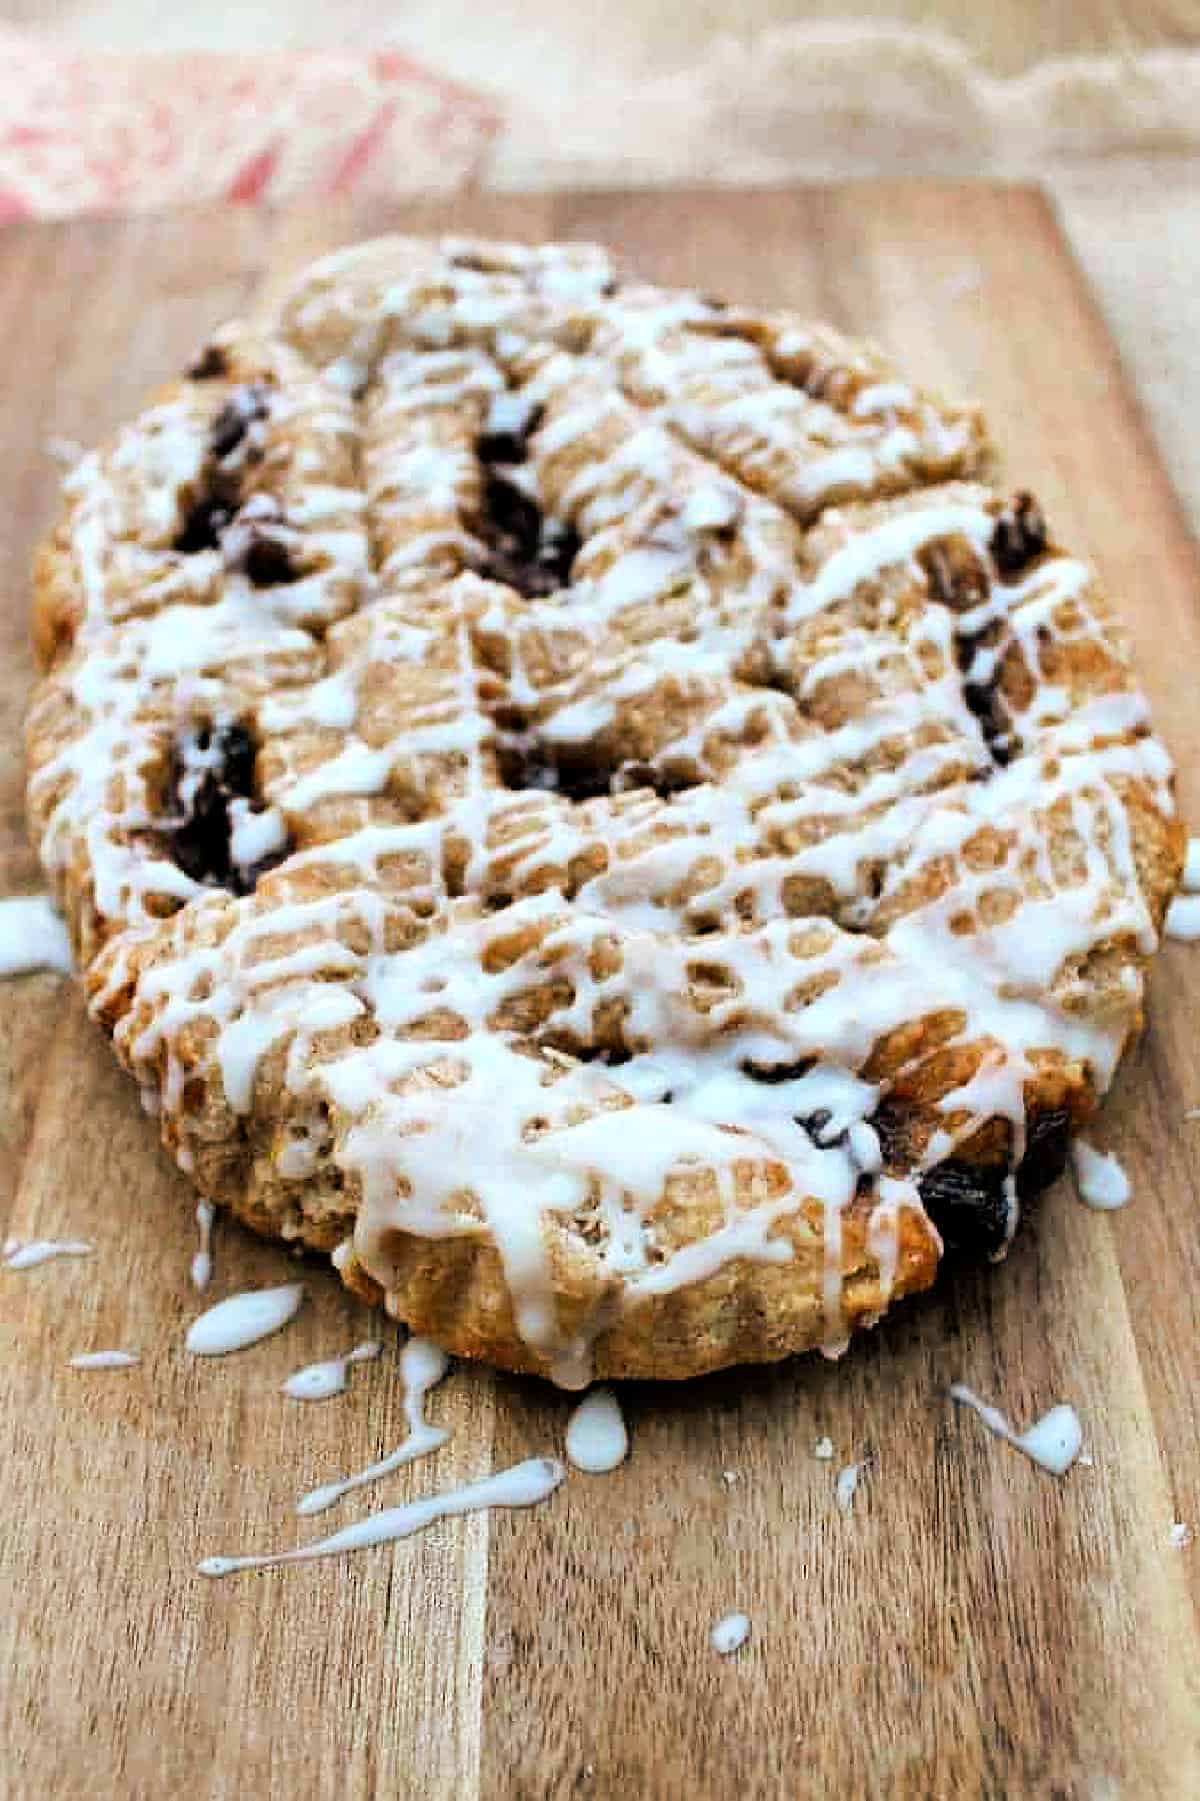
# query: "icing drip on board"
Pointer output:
{"type": "Point", "coordinates": [321, 1381]}
{"type": "Point", "coordinates": [422, 1366]}
{"type": "Point", "coordinates": [846, 1486]}
{"type": "Point", "coordinates": [1183, 918]}
{"type": "Point", "coordinates": [597, 1440]}
{"type": "Point", "coordinates": [201, 1266]}
{"type": "Point", "coordinates": [1101, 1181]}
{"type": "Point", "coordinates": [524, 1485]}
{"type": "Point", "coordinates": [44, 1250]}
{"type": "Point", "coordinates": [730, 1634]}
{"type": "Point", "coordinates": [103, 1360]}
{"type": "Point", "coordinates": [32, 936]}
{"type": "Point", "coordinates": [243, 1320]}
{"type": "Point", "coordinates": [1052, 1442]}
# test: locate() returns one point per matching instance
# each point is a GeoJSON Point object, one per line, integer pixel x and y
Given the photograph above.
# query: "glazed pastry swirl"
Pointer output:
{"type": "Point", "coordinates": [574, 799]}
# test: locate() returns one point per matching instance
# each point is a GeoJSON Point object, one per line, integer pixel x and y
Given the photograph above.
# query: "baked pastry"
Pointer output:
{"type": "Point", "coordinates": [575, 800]}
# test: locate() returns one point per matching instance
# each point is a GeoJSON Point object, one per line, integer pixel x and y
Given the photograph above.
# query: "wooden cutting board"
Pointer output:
{"type": "Point", "coordinates": [972, 1626]}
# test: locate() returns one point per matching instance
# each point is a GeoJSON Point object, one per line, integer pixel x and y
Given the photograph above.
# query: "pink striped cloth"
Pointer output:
{"type": "Point", "coordinates": [81, 133]}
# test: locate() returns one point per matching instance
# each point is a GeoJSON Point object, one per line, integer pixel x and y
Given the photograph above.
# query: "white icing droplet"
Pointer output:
{"type": "Point", "coordinates": [824, 1450]}
{"type": "Point", "coordinates": [67, 451]}
{"type": "Point", "coordinates": [104, 1360]}
{"type": "Point", "coordinates": [422, 1366]}
{"type": "Point", "coordinates": [524, 1485]}
{"type": "Point", "coordinates": [1183, 917]}
{"type": "Point", "coordinates": [1053, 1442]}
{"type": "Point", "coordinates": [1101, 1181]}
{"type": "Point", "coordinates": [202, 1261]}
{"type": "Point", "coordinates": [847, 1485]}
{"type": "Point", "coordinates": [319, 1381]}
{"type": "Point", "coordinates": [597, 1440]}
{"type": "Point", "coordinates": [730, 1633]}
{"type": "Point", "coordinates": [32, 936]}
{"type": "Point", "coordinates": [1191, 868]}
{"type": "Point", "coordinates": [1180, 1534]}
{"type": "Point", "coordinates": [43, 1250]}
{"type": "Point", "coordinates": [730, 1478]}
{"type": "Point", "coordinates": [243, 1319]}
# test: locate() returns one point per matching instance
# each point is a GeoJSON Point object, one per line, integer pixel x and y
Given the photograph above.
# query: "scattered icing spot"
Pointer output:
{"type": "Point", "coordinates": [1101, 1181]}
{"type": "Point", "coordinates": [847, 1485]}
{"type": "Point", "coordinates": [597, 1440]}
{"type": "Point", "coordinates": [422, 1366]}
{"type": "Point", "coordinates": [202, 1261]}
{"type": "Point", "coordinates": [320, 1381]}
{"type": "Point", "coordinates": [1053, 1442]}
{"type": "Point", "coordinates": [730, 1478]}
{"type": "Point", "coordinates": [1180, 1535]}
{"type": "Point", "coordinates": [823, 1449]}
{"type": "Point", "coordinates": [32, 936]}
{"type": "Point", "coordinates": [42, 1250]}
{"type": "Point", "coordinates": [1183, 917]}
{"type": "Point", "coordinates": [104, 1360]}
{"type": "Point", "coordinates": [524, 1485]}
{"type": "Point", "coordinates": [730, 1633]}
{"type": "Point", "coordinates": [67, 451]}
{"type": "Point", "coordinates": [243, 1319]}
{"type": "Point", "coordinates": [1191, 867]}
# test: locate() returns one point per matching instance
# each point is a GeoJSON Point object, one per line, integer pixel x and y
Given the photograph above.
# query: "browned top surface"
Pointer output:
{"type": "Point", "coordinates": [973, 1626]}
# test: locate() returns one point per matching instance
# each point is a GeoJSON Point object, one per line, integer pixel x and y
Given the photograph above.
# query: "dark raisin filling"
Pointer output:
{"type": "Point", "coordinates": [968, 1206]}
{"type": "Point", "coordinates": [211, 365]}
{"type": "Point", "coordinates": [203, 524]}
{"type": "Point", "coordinates": [211, 509]}
{"type": "Point", "coordinates": [244, 408]}
{"type": "Point", "coordinates": [582, 773]}
{"type": "Point", "coordinates": [984, 700]}
{"type": "Point", "coordinates": [1047, 1141]}
{"type": "Point", "coordinates": [521, 546]}
{"type": "Point", "coordinates": [201, 843]}
{"type": "Point", "coordinates": [507, 430]}
{"type": "Point", "coordinates": [1019, 535]}
{"type": "Point", "coordinates": [260, 543]}
{"type": "Point", "coordinates": [967, 1202]}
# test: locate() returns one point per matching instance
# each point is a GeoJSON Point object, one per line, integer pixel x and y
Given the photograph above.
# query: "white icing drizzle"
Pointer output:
{"type": "Point", "coordinates": [597, 1439]}
{"type": "Point", "coordinates": [524, 1485]}
{"type": "Point", "coordinates": [1191, 867]}
{"type": "Point", "coordinates": [32, 936]}
{"type": "Point", "coordinates": [103, 1360]}
{"type": "Point", "coordinates": [1101, 1181]}
{"type": "Point", "coordinates": [243, 1319]}
{"type": "Point", "coordinates": [201, 1267]}
{"type": "Point", "coordinates": [320, 1381]}
{"type": "Point", "coordinates": [730, 1633]}
{"type": "Point", "coordinates": [422, 1366]}
{"type": "Point", "coordinates": [1052, 1442]}
{"type": "Point", "coordinates": [823, 1450]}
{"type": "Point", "coordinates": [1183, 917]}
{"type": "Point", "coordinates": [847, 1485]}
{"type": "Point", "coordinates": [43, 1250]}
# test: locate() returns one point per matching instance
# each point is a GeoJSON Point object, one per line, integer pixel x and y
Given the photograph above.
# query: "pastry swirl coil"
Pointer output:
{"type": "Point", "coordinates": [580, 802]}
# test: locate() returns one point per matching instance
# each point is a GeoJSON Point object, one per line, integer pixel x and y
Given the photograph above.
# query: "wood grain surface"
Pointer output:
{"type": "Point", "coordinates": [972, 1626]}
